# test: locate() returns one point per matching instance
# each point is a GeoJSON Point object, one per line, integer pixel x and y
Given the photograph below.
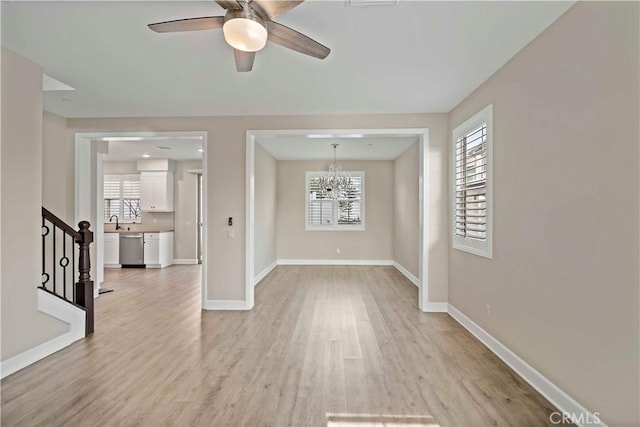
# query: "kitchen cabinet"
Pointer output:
{"type": "Point", "coordinates": [111, 250]}
{"type": "Point", "coordinates": [156, 191]}
{"type": "Point", "coordinates": [158, 249]}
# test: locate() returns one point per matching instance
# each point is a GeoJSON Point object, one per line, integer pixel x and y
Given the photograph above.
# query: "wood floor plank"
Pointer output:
{"type": "Point", "coordinates": [325, 345]}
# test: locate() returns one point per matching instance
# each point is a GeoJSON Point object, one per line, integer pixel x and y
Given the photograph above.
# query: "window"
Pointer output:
{"type": "Point", "coordinates": [122, 197]}
{"type": "Point", "coordinates": [346, 212]}
{"type": "Point", "coordinates": [471, 184]}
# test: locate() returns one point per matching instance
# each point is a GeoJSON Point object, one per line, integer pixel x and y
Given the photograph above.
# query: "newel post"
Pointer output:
{"type": "Point", "coordinates": [84, 286]}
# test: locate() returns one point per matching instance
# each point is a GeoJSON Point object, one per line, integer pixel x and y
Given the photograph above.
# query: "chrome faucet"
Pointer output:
{"type": "Point", "coordinates": [117, 226]}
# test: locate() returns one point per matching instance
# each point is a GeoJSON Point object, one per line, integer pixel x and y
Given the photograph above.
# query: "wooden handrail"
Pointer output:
{"type": "Point", "coordinates": [59, 223]}
{"type": "Point", "coordinates": [52, 262]}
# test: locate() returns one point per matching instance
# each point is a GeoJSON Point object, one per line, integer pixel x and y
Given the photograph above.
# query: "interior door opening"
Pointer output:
{"type": "Point", "coordinates": [155, 148]}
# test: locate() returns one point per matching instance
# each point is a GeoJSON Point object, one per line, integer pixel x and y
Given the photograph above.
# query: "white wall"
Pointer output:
{"type": "Point", "coordinates": [374, 243]}
{"type": "Point", "coordinates": [563, 282]}
{"type": "Point", "coordinates": [57, 182]}
{"type": "Point", "coordinates": [266, 222]}
{"type": "Point", "coordinates": [186, 210]}
{"type": "Point", "coordinates": [406, 226]}
{"type": "Point", "coordinates": [23, 327]}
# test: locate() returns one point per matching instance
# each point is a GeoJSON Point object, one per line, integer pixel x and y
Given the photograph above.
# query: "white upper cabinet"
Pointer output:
{"type": "Point", "coordinates": [156, 191]}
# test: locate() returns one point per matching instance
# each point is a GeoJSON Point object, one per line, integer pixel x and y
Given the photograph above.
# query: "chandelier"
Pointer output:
{"type": "Point", "coordinates": [334, 183]}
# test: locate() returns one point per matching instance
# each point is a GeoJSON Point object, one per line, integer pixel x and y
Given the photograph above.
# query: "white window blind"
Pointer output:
{"type": "Point", "coordinates": [111, 196]}
{"type": "Point", "coordinates": [131, 198]}
{"type": "Point", "coordinates": [471, 184]}
{"type": "Point", "coordinates": [122, 197]}
{"type": "Point", "coordinates": [324, 212]}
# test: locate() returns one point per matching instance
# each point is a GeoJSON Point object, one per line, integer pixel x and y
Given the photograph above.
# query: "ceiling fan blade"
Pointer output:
{"type": "Point", "coordinates": [291, 39]}
{"type": "Point", "coordinates": [244, 60]}
{"type": "Point", "coordinates": [270, 9]}
{"type": "Point", "coordinates": [230, 4]}
{"type": "Point", "coordinates": [189, 24]}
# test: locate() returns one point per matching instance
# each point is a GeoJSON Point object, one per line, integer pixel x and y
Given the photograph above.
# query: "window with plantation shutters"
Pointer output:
{"type": "Point", "coordinates": [326, 211]}
{"type": "Point", "coordinates": [122, 197]}
{"type": "Point", "coordinates": [471, 184]}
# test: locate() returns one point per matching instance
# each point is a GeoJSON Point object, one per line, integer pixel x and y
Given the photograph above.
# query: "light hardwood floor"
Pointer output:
{"type": "Point", "coordinates": [343, 346]}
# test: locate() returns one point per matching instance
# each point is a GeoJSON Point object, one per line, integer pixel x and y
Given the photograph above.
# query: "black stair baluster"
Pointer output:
{"type": "Point", "coordinates": [53, 260]}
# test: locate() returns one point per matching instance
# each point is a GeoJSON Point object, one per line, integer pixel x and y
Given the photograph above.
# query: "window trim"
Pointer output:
{"type": "Point", "coordinates": [120, 177]}
{"type": "Point", "coordinates": [335, 226]}
{"type": "Point", "coordinates": [481, 248]}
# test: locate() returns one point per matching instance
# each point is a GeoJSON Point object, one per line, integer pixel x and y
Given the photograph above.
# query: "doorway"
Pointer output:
{"type": "Point", "coordinates": [422, 138]}
{"type": "Point", "coordinates": [90, 149]}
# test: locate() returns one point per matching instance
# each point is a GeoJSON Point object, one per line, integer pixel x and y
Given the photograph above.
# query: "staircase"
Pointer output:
{"type": "Point", "coordinates": [66, 270]}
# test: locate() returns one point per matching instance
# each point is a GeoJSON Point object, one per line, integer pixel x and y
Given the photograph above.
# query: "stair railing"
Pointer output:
{"type": "Point", "coordinates": [60, 277]}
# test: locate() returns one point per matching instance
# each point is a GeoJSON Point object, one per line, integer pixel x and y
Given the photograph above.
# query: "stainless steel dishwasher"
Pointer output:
{"type": "Point", "coordinates": [132, 249]}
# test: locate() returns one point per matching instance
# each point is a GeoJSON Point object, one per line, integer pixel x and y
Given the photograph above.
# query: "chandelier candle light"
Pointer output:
{"type": "Point", "coordinates": [334, 183]}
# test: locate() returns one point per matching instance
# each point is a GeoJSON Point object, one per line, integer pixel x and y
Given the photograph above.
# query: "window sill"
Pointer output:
{"type": "Point", "coordinates": [485, 251]}
{"type": "Point", "coordinates": [334, 228]}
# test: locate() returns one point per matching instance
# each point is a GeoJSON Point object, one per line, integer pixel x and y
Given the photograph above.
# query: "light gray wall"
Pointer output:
{"type": "Point", "coordinates": [186, 210]}
{"type": "Point", "coordinates": [226, 144]}
{"type": "Point", "coordinates": [58, 190]}
{"type": "Point", "coordinates": [406, 226]}
{"type": "Point", "coordinates": [374, 243]}
{"type": "Point", "coordinates": [266, 222]}
{"type": "Point", "coordinates": [563, 283]}
{"type": "Point", "coordinates": [23, 327]}
{"type": "Point", "coordinates": [121, 167]}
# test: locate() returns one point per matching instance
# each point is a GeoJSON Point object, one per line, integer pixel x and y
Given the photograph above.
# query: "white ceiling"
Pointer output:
{"type": "Point", "coordinates": [369, 147]}
{"type": "Point", "coordinates": [414, 57]}
{"type": "Point", "coordinates": [180, 149]}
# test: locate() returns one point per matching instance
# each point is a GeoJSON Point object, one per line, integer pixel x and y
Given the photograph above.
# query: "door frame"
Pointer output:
{"type": "Point", "coordinates": [89, 150]}
{"type": "Point", "coordinates": [422, 134]}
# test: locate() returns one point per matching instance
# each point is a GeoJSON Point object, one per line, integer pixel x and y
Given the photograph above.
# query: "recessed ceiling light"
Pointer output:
{"type": "Point", "coordinates": [146, 155]}
{"type": "Point", "coordinates": [320, 135]}
{"type": "Point", "coordinates": [351, 135]}
{"type": "Point", "coordinates": [200, 150]}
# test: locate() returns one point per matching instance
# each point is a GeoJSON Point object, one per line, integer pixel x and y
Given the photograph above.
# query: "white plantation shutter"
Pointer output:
{"type": "Point", "coordinates": [131, 197]}
{"type": "Point", "coordinates": [111, 196]}
{"type": "Point", "coordinates": [350, 206]}
{"type": "Point", "coordinates": [320, 210]}
{"type": "Point", "coordinates": [325, 213]}
{"type": "Point", "coordinates": [471, 182]}
{"type": "Point", "coordinates": [122, 197]}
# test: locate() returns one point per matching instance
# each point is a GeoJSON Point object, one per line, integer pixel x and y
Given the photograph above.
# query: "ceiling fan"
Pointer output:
{"type": "Point", "coordinates": [247, 26]}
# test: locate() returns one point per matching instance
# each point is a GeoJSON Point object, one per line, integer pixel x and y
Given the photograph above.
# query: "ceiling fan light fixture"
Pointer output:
{"type": "Point", "coordinates": [246, 33]}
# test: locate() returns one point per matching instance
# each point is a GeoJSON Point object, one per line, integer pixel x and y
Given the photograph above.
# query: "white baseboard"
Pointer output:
{"type": "Point", "coordinates": [413, 279]}
{"type": "Point", "coordinates": [214, 304]}
{"type": "Point", "coordinates": [549, 390]}
{"type": "Point", "coordinates": [334, 262]}
{"type": "Point", "coordinates": [61, 310]}
{"type": "Point", "coordinates": [437, 307]}
{"type": "Point", "coordinates": [264, 272]}
{"type": "Point", "coordinates": [185, 261]}
{"type": "Point", "coordinates": [112, 266]}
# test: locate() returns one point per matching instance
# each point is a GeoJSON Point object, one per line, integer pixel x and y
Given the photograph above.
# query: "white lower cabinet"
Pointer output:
{"type": "Point", "coordinates": [158, 249]}
{"type": "Point", "coordinates": [111, 250]}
